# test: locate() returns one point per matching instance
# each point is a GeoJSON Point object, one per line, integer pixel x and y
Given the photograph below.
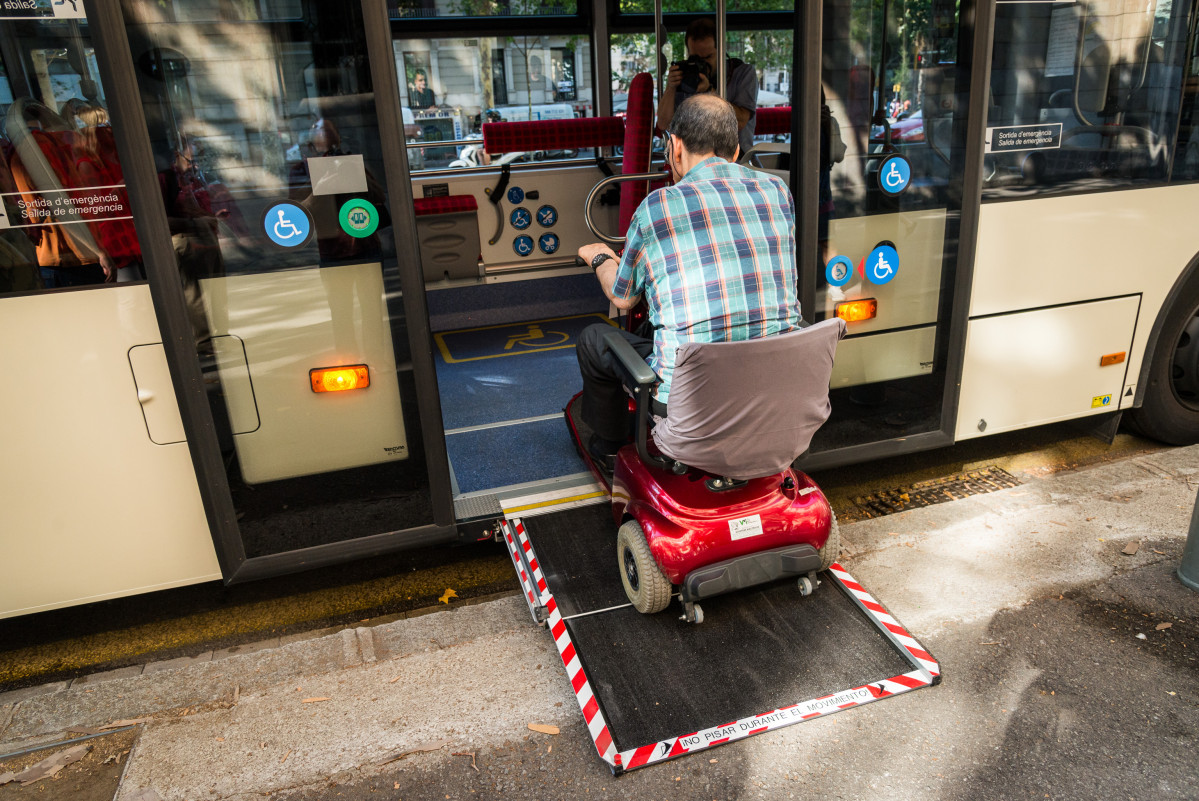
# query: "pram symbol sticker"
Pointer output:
{"type": "Point", "coordinates": [287, 225]}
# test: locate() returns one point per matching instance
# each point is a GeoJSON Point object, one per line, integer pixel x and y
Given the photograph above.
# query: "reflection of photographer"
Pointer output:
{"type": "Point", "coordinates": [697, 76]}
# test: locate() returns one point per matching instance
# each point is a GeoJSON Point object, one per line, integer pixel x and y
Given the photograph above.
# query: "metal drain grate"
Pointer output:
{"type": "Point", "coordinates": [938, 490]}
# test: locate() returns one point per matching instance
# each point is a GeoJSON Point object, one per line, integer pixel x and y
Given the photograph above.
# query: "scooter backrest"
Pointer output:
{"type": "Point", "coordinates": [749, 409]}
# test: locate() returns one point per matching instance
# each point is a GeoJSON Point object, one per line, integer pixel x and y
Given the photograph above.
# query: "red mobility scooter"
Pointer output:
{"type": "Point", "coordinates": [708, 500]}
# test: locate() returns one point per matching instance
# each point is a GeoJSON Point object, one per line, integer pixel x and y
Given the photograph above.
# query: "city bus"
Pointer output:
{"type": "Point", "coordinates": [253, 321]}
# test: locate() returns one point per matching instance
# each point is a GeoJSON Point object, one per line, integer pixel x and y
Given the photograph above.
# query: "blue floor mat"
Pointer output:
{"type": "Point", "coordinates": [509, 372]}
{"type": "Point", "coordinates": [514, 454]}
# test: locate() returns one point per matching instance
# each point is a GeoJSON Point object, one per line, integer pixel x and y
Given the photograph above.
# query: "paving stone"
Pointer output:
{"type": "Point", "coordinates": [107, 675]}
{"type": "Point", "coordinates": [17, 696]}
{"type": "Point", "coordinates": [248, 648]}
{"type": "Point", "coordinates": [175, 664]}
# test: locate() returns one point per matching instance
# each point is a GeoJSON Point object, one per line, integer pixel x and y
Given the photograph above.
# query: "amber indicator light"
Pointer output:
{"type": "Point", "coordinates": [855, 311]}
{"type": "Point", "coordinates": [1111, 358]}
{"type": "Point", "coordinates": [340, 379]}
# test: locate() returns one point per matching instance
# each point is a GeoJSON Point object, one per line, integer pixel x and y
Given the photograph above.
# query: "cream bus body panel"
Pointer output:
{"type": "Point", "coordinates": [1051, 251]}
{"type": "Point", "coordinates": [93, 509]}
{"type": "Point", "coordinates": [292, 322]}
{"type": "Point", "coordinates": [907, 301]}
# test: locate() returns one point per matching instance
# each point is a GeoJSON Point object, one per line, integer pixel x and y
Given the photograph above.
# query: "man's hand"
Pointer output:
{"type": "Point", "coordinates": [674, 77]}
{"type": "Point", "coordinates": [589, 252]}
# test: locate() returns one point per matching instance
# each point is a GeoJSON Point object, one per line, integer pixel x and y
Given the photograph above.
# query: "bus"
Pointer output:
{"type": "Point", "coordinates": [254, 322]}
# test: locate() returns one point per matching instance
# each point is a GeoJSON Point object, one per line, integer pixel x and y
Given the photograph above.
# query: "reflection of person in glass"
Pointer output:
{"type": "Point", "coordinates": [43, 165]}
{"type": "Point", "coordinates": [540, 88]}
{"type": "Point", "coordinates": [194, 214]}
{"type": "Point", "coordinates": [741, 82]}
{"type": "Point", "coordinates": [420, 95]}
{"type": "Point", "coordinates": [333, 243]}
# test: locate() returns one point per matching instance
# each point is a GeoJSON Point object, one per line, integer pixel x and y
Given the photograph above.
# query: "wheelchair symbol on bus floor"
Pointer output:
{"type": "Point", "coordinates": [882, 264]}
{"type": "Point", "coordinates": [287, 225]}
{"type": "Point", "coordinates": [536, 338]}
{"type": "Point", "coordinates": [895, 175]}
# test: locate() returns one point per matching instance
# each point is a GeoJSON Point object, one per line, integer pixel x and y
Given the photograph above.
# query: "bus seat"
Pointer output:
{"type": "Point", "coordinates": [639, 123]}
{"type": "Point", "coordinates": [714, 425]}
{"type": "Point", "coordinates": [771, 121]}
{"type": "Point", "coordinates": [534, 135]}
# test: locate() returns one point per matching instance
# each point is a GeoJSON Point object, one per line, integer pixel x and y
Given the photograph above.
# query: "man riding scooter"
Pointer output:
{"type": "Point", "coordinates": [713, 255]}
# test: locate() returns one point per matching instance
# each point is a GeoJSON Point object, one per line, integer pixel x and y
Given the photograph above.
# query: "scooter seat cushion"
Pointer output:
{"type": "Point", "coordinates": [748, 409]}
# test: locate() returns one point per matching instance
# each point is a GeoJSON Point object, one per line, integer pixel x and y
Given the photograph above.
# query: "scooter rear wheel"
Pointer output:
{"type": "Point", "coordinates": [832, 546]}
{"type": "Point", "coordinates": [644, 582]}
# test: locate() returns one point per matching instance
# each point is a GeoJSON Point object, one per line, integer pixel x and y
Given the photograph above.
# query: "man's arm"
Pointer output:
{"type": "Point", "coordinates": [667, 102]}
{"type": "Point", "coordinates": [743, 93]}
{"type": "Point", "coordinates": [606, 274]}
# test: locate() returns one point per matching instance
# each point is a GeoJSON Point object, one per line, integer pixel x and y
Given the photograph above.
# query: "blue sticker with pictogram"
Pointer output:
{"type": "Point", "coordinates": [895, 175]}
{"type": "Point", "coordinates": [520, 218]}
{"type": "Point", "coordinates": [882, 264]}
{"type": "Point", "coordinates": [838, 271]}
{"type": "Point", "coordinates": [548, 243]}
{"type": "Point", "coordinates": [523, 245]}
{"type": "Point", "coordinates": [546, 216]}
{"type": "Point", "coordinates": [516, 194]}
{"type": "Point", "coordinates": [287, 225]}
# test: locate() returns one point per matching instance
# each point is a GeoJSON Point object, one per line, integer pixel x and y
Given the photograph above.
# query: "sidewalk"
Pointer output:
{"type": "Point", "coordinates": [1061, 680]}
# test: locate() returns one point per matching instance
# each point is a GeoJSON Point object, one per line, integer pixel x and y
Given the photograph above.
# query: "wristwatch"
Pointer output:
{"type": "Point", "coordinates": [599, 259]}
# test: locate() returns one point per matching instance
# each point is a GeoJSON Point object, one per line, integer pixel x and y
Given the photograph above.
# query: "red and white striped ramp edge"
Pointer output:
{"type": "Point", "coordinates": [535, 589]}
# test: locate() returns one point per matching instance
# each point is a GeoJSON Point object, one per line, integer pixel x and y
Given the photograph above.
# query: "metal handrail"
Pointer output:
{"type": "Point", "coordinates": [614, 179]}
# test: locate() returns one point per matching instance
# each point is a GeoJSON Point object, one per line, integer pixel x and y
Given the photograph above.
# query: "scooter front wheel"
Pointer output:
{"type": "Point", "coordinates": [644, 582]}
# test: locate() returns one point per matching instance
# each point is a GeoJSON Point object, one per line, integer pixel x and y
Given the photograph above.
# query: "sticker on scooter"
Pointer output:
{"type": "Point", "coordinates": [744, 527]}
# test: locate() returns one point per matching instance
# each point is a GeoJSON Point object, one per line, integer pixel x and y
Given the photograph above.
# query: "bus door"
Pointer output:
{"type": "Point", "coordinates": [292, 307]}
{"type": "Point", "coordinates": [892, 161]}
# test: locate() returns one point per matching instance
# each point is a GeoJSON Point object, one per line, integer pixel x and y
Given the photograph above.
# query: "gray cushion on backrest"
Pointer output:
{"type": "Point", "coordinates": [748, 409]}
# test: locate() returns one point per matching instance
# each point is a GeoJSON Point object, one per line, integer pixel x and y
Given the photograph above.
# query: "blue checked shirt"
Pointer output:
{"type": "Point", "coordinates": [714, 256]}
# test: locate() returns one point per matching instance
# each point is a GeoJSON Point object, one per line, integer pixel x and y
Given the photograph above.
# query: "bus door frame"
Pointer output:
{"type": "Point", "coordinates": [110, 39]}
{"type": "Point", "coordinates": [976, 28]}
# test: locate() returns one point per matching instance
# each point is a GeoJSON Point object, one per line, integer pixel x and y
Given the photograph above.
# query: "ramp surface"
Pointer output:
{"type": "Point", "coordinates": [653, 687]}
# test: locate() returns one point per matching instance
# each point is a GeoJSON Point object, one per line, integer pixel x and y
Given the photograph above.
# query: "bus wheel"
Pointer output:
{"type": "Point", "coordinates": [1170, 412]}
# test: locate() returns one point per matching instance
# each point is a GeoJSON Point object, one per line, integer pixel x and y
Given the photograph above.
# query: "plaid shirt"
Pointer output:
{"type": "Point", "coordinates": [714, 256]}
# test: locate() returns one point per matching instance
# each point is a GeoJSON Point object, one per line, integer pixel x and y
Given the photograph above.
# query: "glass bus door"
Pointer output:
{"type": "Point", "coordinates": [290, 279]}
{"type": "Point", "coordinates": [890, 202]}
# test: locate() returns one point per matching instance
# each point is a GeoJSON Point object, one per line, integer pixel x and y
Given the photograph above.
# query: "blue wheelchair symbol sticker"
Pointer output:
{"type": "Point", "coordinates": [548, 243]}
{"type": "Point", "coordinates": [547, 216]}
{"type": "Point", "coordinates": [287, 225]}
{"type": "Point", "coordinates": [520, 218]}
{"type": "Point", "coordinates": [895, 175]}
{"type": "Point", "coordinates": [882, 264]}
{"type": "Point", "coordinates": [516, 194]}
{"type": "Point", "coordinates": [838, 271]}
{"type": "Point", "coordinates": [523, 245]}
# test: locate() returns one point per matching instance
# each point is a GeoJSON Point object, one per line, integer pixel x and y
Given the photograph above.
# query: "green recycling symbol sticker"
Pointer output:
{"type": "Point", "coordinates": [358, 218]}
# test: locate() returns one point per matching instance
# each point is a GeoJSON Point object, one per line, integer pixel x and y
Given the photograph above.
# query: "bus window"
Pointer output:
{"type": "Point", "coordinates": [1083, 95]}
{"type": "Point", "coordinates": [65, 220]}
{"type": "Point", "coordinates": [451, 86]}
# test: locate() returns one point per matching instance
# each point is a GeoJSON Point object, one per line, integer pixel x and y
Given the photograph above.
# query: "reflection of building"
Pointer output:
{"type": "Point", "coordinates": [456, 73]}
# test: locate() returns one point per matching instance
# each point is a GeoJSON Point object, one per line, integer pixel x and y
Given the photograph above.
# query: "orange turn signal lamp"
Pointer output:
{"type": "Point", "coordinates": [339, 379]}
{"type": "Point", "coordinates": [1112, 358]}
{"type": "Point", "coordinates": [855, 311]}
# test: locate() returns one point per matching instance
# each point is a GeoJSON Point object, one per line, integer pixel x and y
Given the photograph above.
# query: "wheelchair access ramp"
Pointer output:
{"type": "Point", "coordinates": [652, 687]}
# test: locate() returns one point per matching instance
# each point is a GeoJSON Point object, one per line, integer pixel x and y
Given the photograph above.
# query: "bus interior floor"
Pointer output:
{"type": "Point", "coordinates": [503, 389]}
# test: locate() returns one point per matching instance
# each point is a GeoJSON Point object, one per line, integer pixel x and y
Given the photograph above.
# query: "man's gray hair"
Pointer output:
{"type": "Point", "coordinates": [706, 124]}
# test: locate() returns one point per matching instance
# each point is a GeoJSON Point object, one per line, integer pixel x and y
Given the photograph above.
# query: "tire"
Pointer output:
{"type": "Point", "coordinates": [832, 546]}
{"type": "Point", "coordinates": [1170, 409]}
{"type": "Point", "coordinates": [644, 583]}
